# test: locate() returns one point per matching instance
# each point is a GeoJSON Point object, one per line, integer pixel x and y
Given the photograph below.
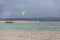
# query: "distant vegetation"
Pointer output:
{"type": "Point", "coordinates": [35, 19]}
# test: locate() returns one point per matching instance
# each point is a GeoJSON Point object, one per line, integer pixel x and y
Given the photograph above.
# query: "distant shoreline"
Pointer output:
{"type": "Point", "coordinates": [29, 20]}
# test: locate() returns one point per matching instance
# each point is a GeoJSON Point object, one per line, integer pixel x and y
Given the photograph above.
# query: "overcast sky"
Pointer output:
{"type": "Point", "coordinates": [32, 8]}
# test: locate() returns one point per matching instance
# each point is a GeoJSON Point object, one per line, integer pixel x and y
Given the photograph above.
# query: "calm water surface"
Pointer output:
{"type": "Point", "coordinates": [54, 26]}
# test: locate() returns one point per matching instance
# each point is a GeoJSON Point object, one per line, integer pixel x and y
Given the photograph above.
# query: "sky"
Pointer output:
{"type": "Point", "coordinates": [31, 8]}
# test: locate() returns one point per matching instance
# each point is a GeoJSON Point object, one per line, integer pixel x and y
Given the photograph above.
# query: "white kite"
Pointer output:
{"type": "Point", "coordinates": [23, 13]}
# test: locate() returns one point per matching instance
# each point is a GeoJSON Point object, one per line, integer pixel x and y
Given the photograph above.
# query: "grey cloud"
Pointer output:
{"type": "Point", "coordinates": [33, 8]}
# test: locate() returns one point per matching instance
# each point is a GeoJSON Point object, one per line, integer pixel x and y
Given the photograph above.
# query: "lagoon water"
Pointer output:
{"type": "Point", "coordinates": [43, 26]}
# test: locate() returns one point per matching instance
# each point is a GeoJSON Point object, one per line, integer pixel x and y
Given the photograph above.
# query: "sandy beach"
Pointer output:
{"type": "Point", "coordinates": [17, 21]}
{"type": "Point", "coordinates": [29, 35]}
